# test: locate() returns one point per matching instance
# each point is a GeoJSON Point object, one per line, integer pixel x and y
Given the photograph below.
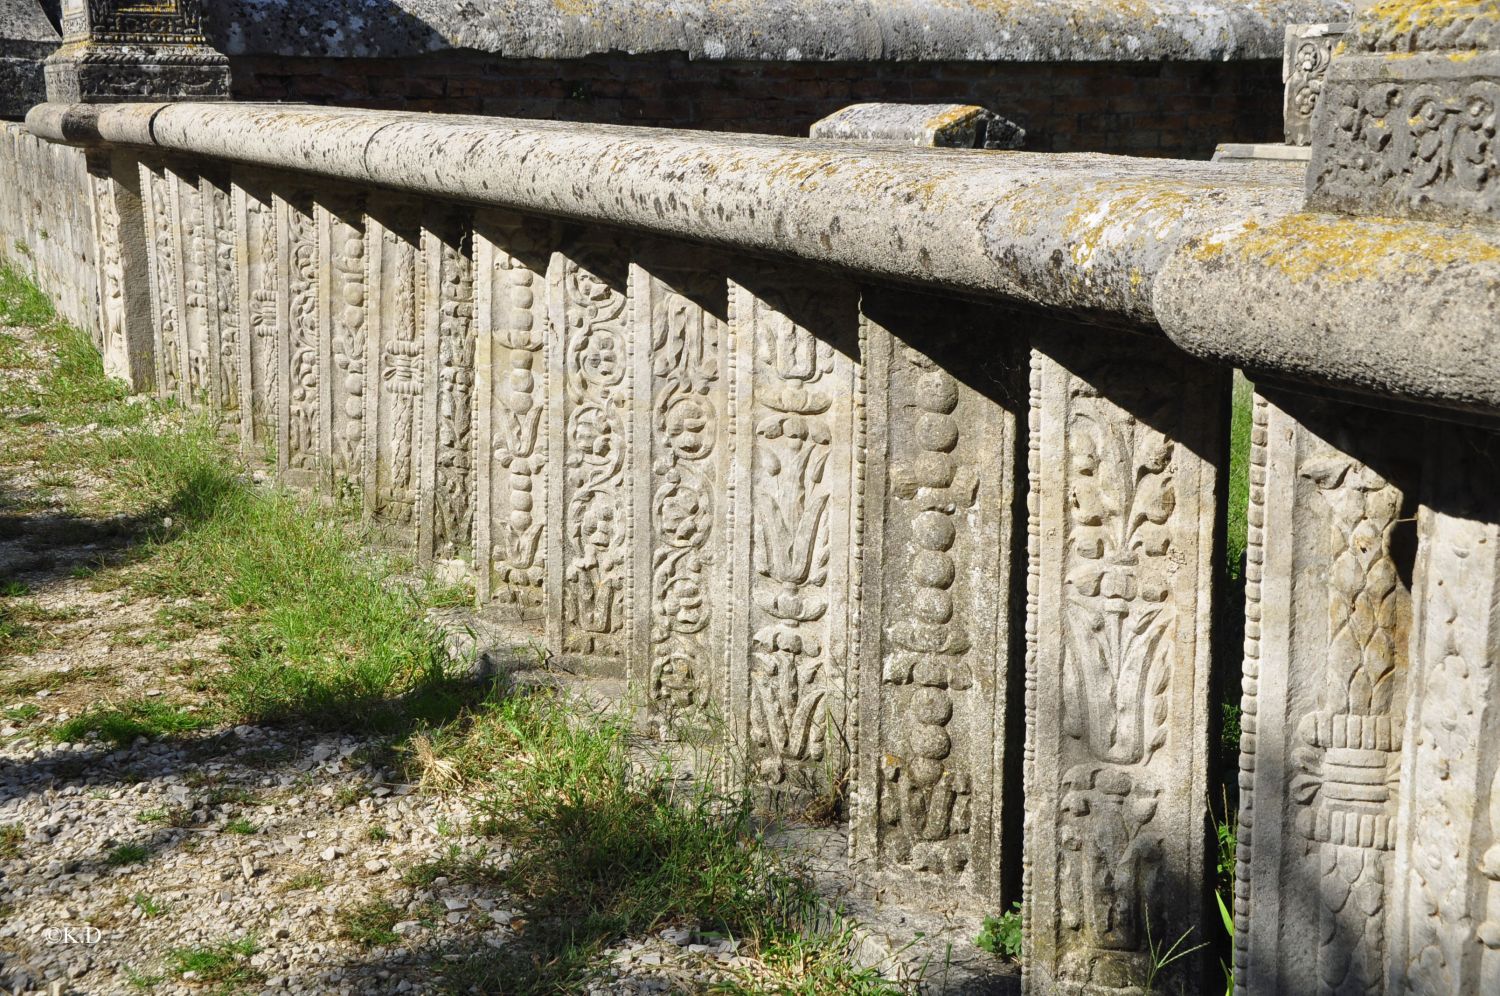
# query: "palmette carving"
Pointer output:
{"type": "Point", "coordinates": [511, 330]}
{"type": "Point", "coordinates": [590, 320]}
{"type": "Point", "coordinates": [805, 394]}
{"type": "Point", "coordinates": [1309, 49]}
{"type": "Point", "coordinates": [1117, 793]}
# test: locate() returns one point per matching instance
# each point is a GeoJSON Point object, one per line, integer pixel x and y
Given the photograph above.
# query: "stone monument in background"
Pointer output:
{"type": "Point", "coordinates": [121, 50]}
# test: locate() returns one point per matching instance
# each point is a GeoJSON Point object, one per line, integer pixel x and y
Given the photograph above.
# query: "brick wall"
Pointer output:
{"type": "Point", "coordinates": [1179, 109]}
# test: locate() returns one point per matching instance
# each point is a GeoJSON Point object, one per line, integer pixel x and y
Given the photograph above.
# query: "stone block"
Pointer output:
{"type": "Point", "coordinates": [955, 126]}
{"type": "Point", "coordinates": [1406, 125]}
{"type": "Point", "coordinates": [935, 768]}
{"type": "Point", "coordinates": [1126, 438]}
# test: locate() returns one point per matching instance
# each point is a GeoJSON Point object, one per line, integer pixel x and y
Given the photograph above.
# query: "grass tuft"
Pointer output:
{"type": "Point", "coordinates": [122, 724]}
{"type": "Point", "coordinates": [370, 924]}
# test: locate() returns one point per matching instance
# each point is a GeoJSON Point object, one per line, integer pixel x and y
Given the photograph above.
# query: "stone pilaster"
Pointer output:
{"type": "Point", "coordinates": [223, 289]}
{"type": "Point", "coordinates": [1444, 937]}
{"type": "Point", "coordinates": [342, 339]}
{"type": "Point", "coordinates": [445, 504]}
{"type": "Point", "coordinates": [124, 271]}
{"type": "Point", "coordinates": [1127, 438]}
{"type": "Point", "coordinates": [939, 600]}
{"type": "Point", "coordinates": [1328, 617]}
{"type": "Point", "coordinates": [797, 528]}
{"type": "Point", "coordinates": [299, 373]}
{"type": "Point", "coordinates": [511, 254]}
{"type": "Point", "coordinates": [685, 439]}
{"type": "Point", "coordinates": [259, 313]}
{"type": "Point", "coordinates": [124, 50]}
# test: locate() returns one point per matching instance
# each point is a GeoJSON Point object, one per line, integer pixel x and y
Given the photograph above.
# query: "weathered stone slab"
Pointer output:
{"type": "Point", "coordinates": [686, 433]}
{"type": "Point", "coordinates": [1328, 615]}
{"type": "Point", "coordinates": [397, 361]}
{"type": "Point", "coordinates": [445, 502]}
{"type": "Point", "coordinates": [1408, 120]}
{"type": "Point", "coordinates": [511, 255]}
{"type": "Point", "coordinates": [256, 251]}
{"type": "Point", "coordinates": [223, 290]}
{"type": "Point", "coordinates": [593, 591]}
{"type": "Point", "coordinates": [1445, 898]}
{"type": "Point", "coordinates": [190, 275]}
{"type": "Point", "coordinates": [161, 251]}
{"type": "Point", "coordinates": [27, 37]}
{"type": "Point", "coordinates": [797, 529]}
{"type": "Point", "coordinates": [937, 604]}
{"type": "Point", "coordinates": [300, 436]}
{"type": "Point", "coordinates": [1125, 439]}
{"type": "Point", "coordinates": [342, 339]}
{"type": "Point", "coordinates": [952, 126]}
{"type": "Point", "coordinates": [1309, 49]}
{"type": "Point", "coordinates": [127, 336]}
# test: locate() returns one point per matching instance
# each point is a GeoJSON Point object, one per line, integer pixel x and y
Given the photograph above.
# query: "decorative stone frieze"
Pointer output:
{"type": "Point", "coordinates": [952, 126]}
{"type": "Point", "coordinates": [511, 256]}
{"type": "Point", "coordinates": [122, 50]}
{"type": "Point", "coordinates": [258, 294]}
{"type": "Point", "coordinates": [299, 371]}
{"type": "Point", "coordinates": [1408, 118]}
{"type": "Point", "coordinates": [1328, 619]}
{"type": "Point", "coordinates": [1309, 49]}
{"type": "Point", "coordinates": [124, 271]}
{"type": "Point", "coordinates": [941, 483]}
{"type": "Point", "coordinates": [797, 529]}
{"type": "Point", "coordinates": [223, 289]}
{"type": "Point", "coordinates": [1126, 439]}
{"type": "Point", "coordinates": [162, 247]}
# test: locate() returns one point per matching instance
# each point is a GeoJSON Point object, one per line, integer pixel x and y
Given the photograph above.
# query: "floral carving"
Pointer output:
{"type": "Point", "coordinates": [453, 510]}
{"type": "Point", "coordinates": [347, 313]}
{"type": "Point", "coordinates": [301, 431]}
{"type": "Point", "coordinates": [400, 382]}
{"type": "Point", "coordinates": [226, 300]}
{"type": "Point", "coordinates": [195, 291]}
{"type": "Point", "coordinates": [595, 524]}
{"type": "Point", "coordinates": [169, 352]}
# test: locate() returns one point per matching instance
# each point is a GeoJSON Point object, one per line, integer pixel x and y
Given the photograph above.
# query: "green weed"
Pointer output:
{"type": "Point", "coordinates": [123, 723]}
{"type": "Point", "coordinates": [224, 963]}
{"type": "Point", "coordinates": [369, 925]}
{"type": "Point", "coordinates": [127, 854]}
{"type": "Point", "coordinates": [1002, 935]}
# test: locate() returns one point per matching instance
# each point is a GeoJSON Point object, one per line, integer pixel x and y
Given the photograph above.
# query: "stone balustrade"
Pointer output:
{"type": "Point", "coordinates": [903, 469]}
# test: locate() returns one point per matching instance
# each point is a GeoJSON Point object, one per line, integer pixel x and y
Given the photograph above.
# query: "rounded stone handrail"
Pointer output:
{"type": "Point", "coordinates": [1221, 256]}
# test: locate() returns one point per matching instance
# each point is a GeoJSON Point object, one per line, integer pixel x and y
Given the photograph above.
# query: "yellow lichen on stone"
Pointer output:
{"type": "Point", "coordinates": [1343, 250]}
{"type": "Point", "coordinates": [1408, 17]}
{"type": "Point", "coordinates": [1127, 208]}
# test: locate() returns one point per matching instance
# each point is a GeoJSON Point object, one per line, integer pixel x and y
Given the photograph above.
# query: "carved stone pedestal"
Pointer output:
{"type": "Point", "coordinates": [120, 50]}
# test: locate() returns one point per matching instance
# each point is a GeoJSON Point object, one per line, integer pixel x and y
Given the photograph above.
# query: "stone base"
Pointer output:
{"type": "Point", "coordinates": [99, 74]}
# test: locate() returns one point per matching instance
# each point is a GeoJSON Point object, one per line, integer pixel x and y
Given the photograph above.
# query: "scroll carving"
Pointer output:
{"type": "Point", "coordinates": [1309, 49]}
{"type": "Point", "coordinates": [261, 342]}
{"type": "Point", "coordinates": [511, 332]}
{"type": "Point", "coordinates": [589, 306]}
{"type": "Point", "coordinates": [300, 434]}
{"type": "Point", "coordinates": [190, 221]}
{"type": "Point", "coordinates": [112, 314]}
{"type": "Point", "coordinates": [690, 435]}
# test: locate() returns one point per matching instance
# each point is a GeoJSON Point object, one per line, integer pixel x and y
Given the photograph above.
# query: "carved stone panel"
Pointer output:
{"type": "Point", "coordinates": [941, 483]}
{"type": "Point", "coordinates": [799, 396]}
{"type": "Point", "coordinates": [190, 275]}
{"type": "Point", "coordinates": [341, 271]}
{"type": "Point", "coordinates": [1445, 899]}
{"type": "Point", "coordinates": [223, 293]}
{"type": "Point", "coordinates": [260, 316]}
{"type": "Point", "coordinates": [1309, 48]}
{"type": "Point", "coordinates": [300, 434]}
{"type": "Point", "coordinates": [396, 359]}
{"type": "Point", "coordinates": [685, 435]}
{"type": "Point", "coordinates": [1327, 621]}
{"type": "Point", "coordinates": [445, 502]}
{"type": "Point", "coordinates": [591, 590]}
{"type": "Point", "coordinates": [124, 271]}
{"type": "Point", "coordinates": [510, 396]}
{"type": "Point", "coordinates": [161, 248]}
{"type": "Point", "coordinates": [1126, 439]}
